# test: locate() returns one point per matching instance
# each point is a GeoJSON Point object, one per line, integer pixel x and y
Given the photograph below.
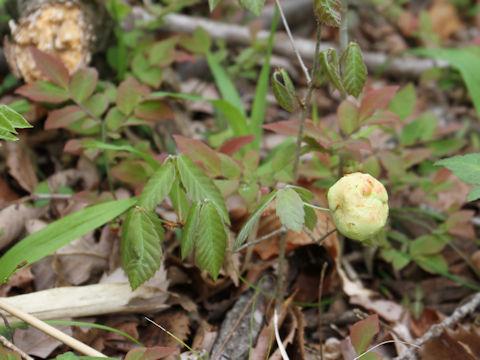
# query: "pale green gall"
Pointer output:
{"type": "Point", "coordinates": [359, 206]}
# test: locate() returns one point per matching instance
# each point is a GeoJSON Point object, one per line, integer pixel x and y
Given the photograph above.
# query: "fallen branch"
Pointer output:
{"type": "Point", "coordinates": [90, 300]}
{"type": "Point", "coordinates": [437, 329]}
{"type": "Point", "coordinates": [402, 66]}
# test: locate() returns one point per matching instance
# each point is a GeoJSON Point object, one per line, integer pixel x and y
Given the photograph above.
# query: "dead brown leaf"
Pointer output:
{"type": "Point", "coordinates": [447, 347]}
{"type": "Point", "coordinates": [445, 19]}
{"type": "Point", "coordinates": [20, 279]}
{"type": "Point", "coordinates": [20, 165]}
{"type": "Point", "coordinates": [38, 343]}
{"type": "Point", "coordinates": [428, 318]}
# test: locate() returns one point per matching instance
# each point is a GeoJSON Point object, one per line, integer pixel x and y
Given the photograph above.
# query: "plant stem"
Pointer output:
{"type": "Point", "coordinates": [316, 207]}
{"type": "Point", "coordinates": [263, 238]}
{"type": "Point", "coordinates": [306, 102]}
{"type": "Point", "coordinates": [281, 265]}
{"type": "Point", "coordinates": [344, 26]}
{"type": "Point", "coordinates": [289, 33]}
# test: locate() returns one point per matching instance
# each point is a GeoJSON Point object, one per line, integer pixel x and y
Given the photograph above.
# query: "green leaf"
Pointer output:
{"type": "Point", "coordinates": [434, 263]}
{"type": "Point", "coordinates": [199, 186]}
{"type": "Point", "coordinates": [347, 114]}
{"type": "Point", "coordinates": [142, 235]}
{"type": "Point", "coordinates": [285, 98]}
{"type": "Point", "coordinates": [466, 61]}
{"type": "Point", "coordinates": [179, 200]}
{"type": "Point", "coordinates": [329, 65]}
{"type": "Point", "coordinates": [427, 245]}
{"type": "Point", "coordinates": [422, 128]}
{"type": "Point", "coordinates": [200, 152]}
{"type": "Point", "coordinates": [474, 194]}
{"type": "Point", "coordinates": [43, 91]}
{"type": "Point", "coordinates": [224, 83]}
{"type": "Point", "coordinates": [155, 110]}
{"type": "Point", "coordinates": [83, 83]}
{"type": "Point", "coordinates": [404, 101]}
{"type": "Point", "coordinates": [327, 12]}
{"type": "Point", "coordinates": [158, 186]}
{"type": "Point", "coordinates": [310, 217]}
{"type": "Point", "coordinates": [290, 210]}
{"type": "Point", "coordinates": [363, 331]}
{"type": "Point", "coordinates": [63, 117]}
{"type": "Point", "coordinates": [59, 233]}
{"type": "Point", "coordinates": [51, 67]}
{"type": "Point", "coordinates": [466, 167]}
{"type": "Point", "coordinates": [254, 6]}
{"type": "Point", "coordinates": [151, 353]}
{"type": "Point", "coordinates": [12, 118]}
{"type": "Point", "coordinates": [97, 104]}
{"type": "Point", "coordinates": [354, 71]}
{"type": "Point", "coordinates": [162, 52]}
{"type": "Point", "coordinates": [213, 3]}
{"type": "Point", "coordinates": [151, 76]}
{"type": "Point", "coordinates": [211, 239]}
{"type": "Point", "coordinates": [190, 230]}
{"type": "Point", "coordinates": [243, 234]}
{"type": "Point", "coordinates": [129, 94]}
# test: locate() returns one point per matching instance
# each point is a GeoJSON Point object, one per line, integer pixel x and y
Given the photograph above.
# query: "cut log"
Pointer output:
{"type": "Point", "coordinates": [68, 29]}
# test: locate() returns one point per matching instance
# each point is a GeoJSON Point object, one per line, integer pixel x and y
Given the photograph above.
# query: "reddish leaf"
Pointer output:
{"type": "Point", "coordinates": [43, 91]}
{"type": "Point", "coordinates": [363, 331]}
{"type": "Point", "coordinates": [376, 100]}
{"type": "Point", "coordinates": [83, 84]}
{"type": "Point", "coordinates": [63, 117]}
{"type": "Point", "coordinates": [290, 128]}
{"type": "Point", "coordinates": [153, 110]}
{"type": "Point", "coordinates": [198, 151]}
{"type": "Point", "coordinates": [383, 118]}
{"type": "Point", "coordinates": [415, 156]}
{"type": "Point", "coordinates": [132, 171]}
{"type": "Point", "coordinates": [129, 93]}
{"type": "Point", "coordinates": [152, 353]}
{"type": "Point", "coordinates": [230, 147]}
{"type": "Point", "coordinates": [51, 67]}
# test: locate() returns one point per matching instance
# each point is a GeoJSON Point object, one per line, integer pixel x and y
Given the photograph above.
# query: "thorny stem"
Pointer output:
{"type": "Point", "coordinates": [289, 33]}
{"type": "Point", "coordinates": [306, 101]}
{"type": "Point", "coordinates": [104, 140]}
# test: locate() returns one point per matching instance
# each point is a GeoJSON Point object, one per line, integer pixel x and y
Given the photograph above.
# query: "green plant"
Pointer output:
{"type": "Point", "coordinates": [9, 121]}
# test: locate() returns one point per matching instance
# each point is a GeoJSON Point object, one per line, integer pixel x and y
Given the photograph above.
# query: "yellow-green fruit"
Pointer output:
{"type": "Point", "coordinates": [359, 206]}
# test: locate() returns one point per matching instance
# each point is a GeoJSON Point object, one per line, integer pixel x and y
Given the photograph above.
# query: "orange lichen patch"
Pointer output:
{"type": "Point", "coordinates": [59, 29]}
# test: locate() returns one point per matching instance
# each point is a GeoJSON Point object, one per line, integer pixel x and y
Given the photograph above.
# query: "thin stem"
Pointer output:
{"type": "Point", "coordinates": [320, 293]}
{"type": "Point", "coordinates": [289, 33]}
{"type": "Point", "coordinates": [281, 265]}
{"type": "Point", "coordinates": [344, 26]}
{"type": "Point", "coordinates": [306, 102]}
{"type": "Point", "coordinates": [263, 238]}
{"type": "Point", "coordinates": [316, 207]}
{"type": "Point", "coordinates": [12, 346]}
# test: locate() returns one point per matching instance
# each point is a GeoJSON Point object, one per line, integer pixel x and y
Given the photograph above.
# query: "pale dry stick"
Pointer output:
{"type": "Point", "coordinates": [383, 343]}
{"type": "Point", "coordinates": [290, 36]}
{"type": "Point", "coordinates": [12, 346]}
{"type": "Point", "coordinates": [437, 329]}
{"type": "Point", "coordinates": [283, 352]}
{"type": "Point", "coordinates": [50, 330]}
{"type": "Point", "coordinates": [320, 293]}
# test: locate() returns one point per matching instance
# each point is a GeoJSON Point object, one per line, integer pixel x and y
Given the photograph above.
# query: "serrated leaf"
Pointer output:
{"type": "Point", "coordinates": [363, 331]}
{"type": "Point", "coordinates": [43, 91]}
{"type": "Point", "coordinates": [59, 233]}
{"type": "Point", "coordinates": [200, 152]}
{"type": "Point", "coordinates": [179, 200]}
{"type": "Point", "coordinates": [284, 97]}
{"type": "Point", "coordinates": [51, 67]}
{"type": "Point", "coordinates": [83, 83]}
{"type": "Point", "coordinates": [142, 235]}
{"type": "Point", "coordinates": [354, 71]}
{"type": "Point", "coordinates": [190, 230]}
{"type": "Point", "coordinates": [254, 6]}
{"type": "Point", "coordinates": [199, 186]}
{"type": "Point", "coordinates": [329, 65]}
{"type": "Point", "coordinates": [63, 117]}
{"type": "Point", "coordinates": [129, 94]}
{"type": "Point", "coordinates": [158, 187]}
{"type": "Point", "coordinates": [243, 234]}
{"type": "Point", "coordinates": [310, 217]}
{"type": "Point", "coordinates": [327, 12]}
{"type": "Point", "coordinates": [6, 135]}
{"type": "Point", "coordinates": [211, 239]}
{"type": "Point", "coordinates": [13, 118]}
{"type": "Point", "coordinates": [466, 167]}
{"type": "Point", "coordinates": [289, 208]}
{"type": "Point", "coordinates": [474, 194]}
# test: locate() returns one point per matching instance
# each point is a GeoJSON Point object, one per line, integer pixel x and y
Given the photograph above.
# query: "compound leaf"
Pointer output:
{"type": "Point", "coordinates": [158, 186]}
{"type": "Point", "coordinates": [191, 229]}
{"type": "Point", "coordinates": [327, 12]}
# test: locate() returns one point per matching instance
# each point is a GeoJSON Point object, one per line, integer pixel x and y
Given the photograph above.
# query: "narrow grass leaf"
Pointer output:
{"type": "Point", "coordinates": [142, 235]}
{"type": "Point", "coordinates": [199, 186]}
{"type": "Point", "coordinates": [243, 234]}
{"type": "Point", "coordinates": [211, 240]}
{"type": "Point", "coordinates": [158, 186]}
{"type": "Point", "coordinates": [290, 210]}
{"type": "Point", "coordinates": [59, 233]}
{"type": "Point", "coordinates": [224, 83]}
{"type": "Point", "coordinates": [190, 230]}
